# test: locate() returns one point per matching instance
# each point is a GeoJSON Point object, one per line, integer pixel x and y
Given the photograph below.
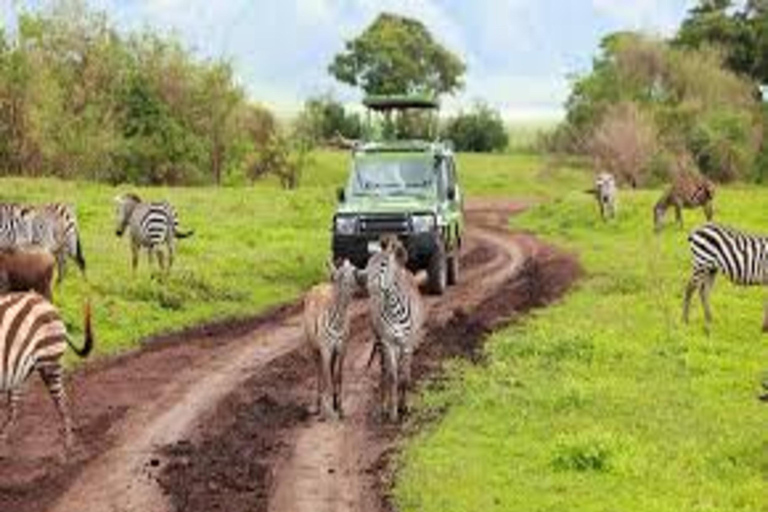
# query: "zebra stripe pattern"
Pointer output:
{"type": "Point", "coordinates": [150, 225]}
{"type": "Point", "coordinates": [742, 257]}
{"type": "Point", "coordinates": [396, 311]}
{"type": "Point", "coordinates": [33, 337]}
{"type": "Point", "coordinates": [326, 325]}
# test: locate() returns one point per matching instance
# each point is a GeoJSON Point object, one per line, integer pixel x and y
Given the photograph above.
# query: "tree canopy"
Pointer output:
{"type": "Point", "coordinates": [398, 55]}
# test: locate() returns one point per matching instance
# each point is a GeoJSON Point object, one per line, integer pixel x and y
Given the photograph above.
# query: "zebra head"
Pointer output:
{"type": "Point", "coordinates": [345, 277]}
{"type": "Point", "coordinates": [125, 204]}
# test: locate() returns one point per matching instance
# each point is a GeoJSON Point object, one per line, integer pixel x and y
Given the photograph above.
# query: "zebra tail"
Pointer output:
{"type": "Point", "coordinates": [184, 234]}
{"type": "Point", "coordinates": [79, 257]}
{"type": "Point", "coordinates": [88, 342]}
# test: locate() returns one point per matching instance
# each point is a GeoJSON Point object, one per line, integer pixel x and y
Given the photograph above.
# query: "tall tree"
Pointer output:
{"type": "Point", "coordinates": [398, 55]}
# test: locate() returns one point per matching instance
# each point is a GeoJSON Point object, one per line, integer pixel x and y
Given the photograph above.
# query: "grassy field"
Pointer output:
{"type": "Point", "coordinates": [253, 246]}
{"type": "Point", "coordinates": [606, 401]}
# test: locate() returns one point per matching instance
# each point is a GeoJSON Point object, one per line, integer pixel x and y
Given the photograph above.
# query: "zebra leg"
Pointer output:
{"type": "Point", "coordinates": [171, 250]}
{"type": "Point", "coordinates": [338, 380]}
{"type": "Point", "coordinates": [383, 378]}
{"type": "Point", "coordinates": [679, 215]}
{"type": "Point", "coordinates": [60, 264]}
{"type": "Point", "coordinates": [160, 260]}
{"type": "Point", "coordinates": [326, 406]}
{"type": "Point", "coordinates": [52, 378]}
{"type": "Point", "coordinates": [404, 382]}
{"type": "Point", "coordinates": [691, 287]}
{"type": "Point", "coordinates": [14, 397]}
{"type": "Point", "coordinates": [704, 291]}
{"type": "Point", "coordinates": [134, 257]}
{"type": "Point", "coordinates": [392, 383]}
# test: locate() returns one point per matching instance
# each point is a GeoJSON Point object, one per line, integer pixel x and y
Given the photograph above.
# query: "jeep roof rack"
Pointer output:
{"type": "Point", "coordinates": [382, 103]}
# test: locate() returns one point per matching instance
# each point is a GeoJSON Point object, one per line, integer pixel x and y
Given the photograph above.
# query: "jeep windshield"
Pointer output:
{"type": "Point", "coordinates": [392, 177]}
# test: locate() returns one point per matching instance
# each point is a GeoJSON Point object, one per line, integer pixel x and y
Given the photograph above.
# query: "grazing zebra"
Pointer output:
{"type": "Point", "coordinates": [52, 227]}
{"type": "Point", "coordinates": [326, 325]}
{"type": "Point", "coordinates": [742, 257]}
{"type": "Point", "coordinates": [688, 190]}
{"type": "Point", "coordinates": [150, 224]}
{"type": "Point", "coordinates": [33, 337]}
{"type": "Point", "coordinates": [70, 245]}
{"type": "Point", "coordinates": [396, 311]}
{"type": "Point", "coordinates": [606, 193]}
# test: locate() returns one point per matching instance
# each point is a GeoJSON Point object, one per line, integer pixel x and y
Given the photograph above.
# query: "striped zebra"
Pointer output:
{"type": "Point", "coordinates": [606, 193]}
{"type": "Point", "coordinates": [70, 245]}
{"type": "Point", "coordinates": [150, 225]}
{"type": "Point", "coordinates": [688, 190]}
{"type": "Point", "coordinates": [52, 227]}
{"type": "Point", "coordinates": [326, 326]}
{"type": "Point", "coordinates": [397, 316]}
{"type": "Point", "coordinates": [742, 257]}
{"type": "Point", "coordinates": [33, 337]}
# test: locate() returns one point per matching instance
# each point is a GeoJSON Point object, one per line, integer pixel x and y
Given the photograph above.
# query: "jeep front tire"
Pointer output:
{"type": "Point", "coordinates": [437, 272]}
{"type": "Point", "coordinates": [452, 271]}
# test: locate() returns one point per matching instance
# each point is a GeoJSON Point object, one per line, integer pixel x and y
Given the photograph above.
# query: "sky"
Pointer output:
{"type": "Point", "coordinates": [519, 53]}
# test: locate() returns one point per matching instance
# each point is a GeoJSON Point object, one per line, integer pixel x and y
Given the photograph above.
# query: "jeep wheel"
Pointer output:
{"type": "Point", "coordinates": [452, 276]}
{"type": "Point", "coordinates": [437, 273]}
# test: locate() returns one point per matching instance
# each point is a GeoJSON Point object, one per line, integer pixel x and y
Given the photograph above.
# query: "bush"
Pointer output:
{"type": "Point", "coordinates": [625, 144]}
{"type": "Point", "coordinates": [479, 131]}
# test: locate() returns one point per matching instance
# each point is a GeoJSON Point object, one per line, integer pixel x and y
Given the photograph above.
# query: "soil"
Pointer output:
{"type": "Point", "coordinates": [219, 417]}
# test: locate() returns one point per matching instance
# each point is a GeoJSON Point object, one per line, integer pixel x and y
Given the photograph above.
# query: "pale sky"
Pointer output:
{"type": "Point", "coordinates": [519, 53]}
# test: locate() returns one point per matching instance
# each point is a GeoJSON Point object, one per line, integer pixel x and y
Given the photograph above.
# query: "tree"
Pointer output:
{"type": "Point", "coordinates": [398, 55]}
{"type": "Point", "coordinates": [480, 130]}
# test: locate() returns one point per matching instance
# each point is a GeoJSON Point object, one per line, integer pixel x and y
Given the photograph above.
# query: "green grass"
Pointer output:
{"type": "Point", "coordinates": [253, 246]}
{"type": "Point", "coordinates": [606, 401]}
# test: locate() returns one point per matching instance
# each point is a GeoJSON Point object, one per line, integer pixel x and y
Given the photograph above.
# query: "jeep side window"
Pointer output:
{"type": "Point", "coordinates": [442, 180]}
{"type": "Point", "coordinates": [451, 173]}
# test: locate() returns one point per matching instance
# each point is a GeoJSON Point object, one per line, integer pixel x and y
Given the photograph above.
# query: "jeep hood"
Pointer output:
{"type": "Point", "coordinates": [391, 204]}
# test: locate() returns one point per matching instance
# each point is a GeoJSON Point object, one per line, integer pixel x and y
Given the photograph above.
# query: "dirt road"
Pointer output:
{"type": "Point", "coordinates": [218, 418]}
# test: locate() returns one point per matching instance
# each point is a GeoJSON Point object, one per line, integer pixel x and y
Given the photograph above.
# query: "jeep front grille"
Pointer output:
{"type": "Point", "coordinates": [385, 223]}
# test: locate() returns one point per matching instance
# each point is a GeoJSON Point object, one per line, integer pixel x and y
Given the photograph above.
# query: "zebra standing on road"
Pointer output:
{"type": "Point", "coordinates": [33, 337]}
{"type": "Point", "coordinates": [397, 315]}
{"type": "Point", "coordinates": [688, 190]}
{"type": "Point", "coordinates": [742, 257]}
{"type": "Point", "coordinates": [150, 225]}
{"type": "Point", "coordinates": [326, 326]}
{"type": "Point", "coordinates": [606, 193]}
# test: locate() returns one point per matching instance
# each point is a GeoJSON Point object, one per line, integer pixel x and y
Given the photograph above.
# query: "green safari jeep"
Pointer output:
{"type": "Point", "coordinates": [406, 188]}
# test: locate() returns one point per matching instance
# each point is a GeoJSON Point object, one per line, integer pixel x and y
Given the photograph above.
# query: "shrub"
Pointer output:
{"type": "Point", "coordinates": [625, 143]}
{"type": "Point", "coordinates": [478, 131]}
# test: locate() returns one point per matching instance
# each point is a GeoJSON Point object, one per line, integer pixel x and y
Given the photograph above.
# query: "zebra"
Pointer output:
{"type": "Point", "coordinates": [326, 326]}
{"type": "Point", "coordinates": [688, 190]}
{"type": "Point", "coordinates": [150, 225]}
{"type": "Point", "coordinates": [742, 257]}
{"type": "Point", "coordinates": [397, 316]}
{"type": "Point", "coordinates": [52, 227]}
{"type": "Point", "coordinates": [33, 337]}
{"type": "Point", "coordinates": [606, 193]}
{"type": "Point", "coordinates": [70, 244]}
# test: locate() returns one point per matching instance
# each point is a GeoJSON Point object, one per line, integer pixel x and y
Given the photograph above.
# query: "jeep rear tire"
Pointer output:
{"type": "Point", "coordinates": [437, 272]}
{"type": "Point", "coordinates": [452, 276]}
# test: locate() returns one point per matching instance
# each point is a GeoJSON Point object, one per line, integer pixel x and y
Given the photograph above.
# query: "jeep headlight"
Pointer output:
{"type": "Point", "coordinates": [422, 223]}
{"type": "Point", "coordinates": [346, 225]}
